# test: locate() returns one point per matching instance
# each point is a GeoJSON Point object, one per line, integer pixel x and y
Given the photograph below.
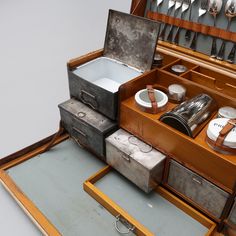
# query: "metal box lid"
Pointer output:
{"type": "Point", "coordinates": [131, 39]}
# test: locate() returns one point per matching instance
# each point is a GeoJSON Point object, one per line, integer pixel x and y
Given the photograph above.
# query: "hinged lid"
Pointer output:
{"type": "Point", "coordinates": [131, 39]}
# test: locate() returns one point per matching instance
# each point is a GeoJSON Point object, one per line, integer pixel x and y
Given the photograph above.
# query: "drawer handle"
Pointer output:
{"type": "Point", "coordinates": [197, 180]}
{"type": "Point", "coordinates": [95, 105]}
{"type": "Point", "coordinates": [130, 228]}
{"type": "Point", "coordinates": [125, 157]}
{"type": "Point", "coordinates": [80, 132]}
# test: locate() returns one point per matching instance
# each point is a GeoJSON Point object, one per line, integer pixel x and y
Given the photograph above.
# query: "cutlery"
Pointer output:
{"type": "Point", "coordinates": [214, 8]}
{"type": "Point", "coordinates": [159, 2]}
{"type": "Point", "coordinates": [178, 5]}
{"type": "Point", "coordinates": [188, 32]}
{"type": "Point", "coordinates": [171, 4]}
{"type": "Point", "coordinates": [184, 8]}
{"type": "Point", "coordinates": [230, 12]}
{"type": "Point", "coordinates": [231, 55]}
{"type": "Point", "coordinates": [201, 11]}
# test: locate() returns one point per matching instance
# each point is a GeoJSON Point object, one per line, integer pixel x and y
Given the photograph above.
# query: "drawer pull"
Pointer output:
{"type": "Point", "coordinates": [82, 97]}
{"type": "Point", "coordinates": [80, 132]}
{"type": "Point", "coordinates": [197, 180]}
{"type": "Point", "coordinates": [126, 157]}
{"type": "Point", "coordinates": [129, 227]}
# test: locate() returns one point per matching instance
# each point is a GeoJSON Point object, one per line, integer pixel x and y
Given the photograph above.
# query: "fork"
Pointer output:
{"type": "Point", "coordinates": [201, 11]}
{"type": "Point", "coordinates": [188, 32]}
{"type": "Point", "coordinates": [178, 5]}
{"type": "Point", "coordinates": [171, 4]}
{"type": "Point", "coordinates": [184, 8]}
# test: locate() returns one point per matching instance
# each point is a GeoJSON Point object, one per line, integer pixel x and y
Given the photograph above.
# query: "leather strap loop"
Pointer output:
{"type": "Point", "coordinates": [152, 98]}
{"type": "Point", "coordinates": [194, 26]}
{"type": "Point", "coordinates": [224, 132]}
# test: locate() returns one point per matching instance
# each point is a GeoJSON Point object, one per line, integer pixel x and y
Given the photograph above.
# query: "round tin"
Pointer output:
{"type": "Point", "coordinates": [157, 61]}
{"type": "Point", "coordinates": [176, 92]}
{"type": "Point", "coordinates": [178, 69]}
{"type": "Point", "coordinates": [213, 131]}
{"type": "Point", "coordinates": [227, 112]}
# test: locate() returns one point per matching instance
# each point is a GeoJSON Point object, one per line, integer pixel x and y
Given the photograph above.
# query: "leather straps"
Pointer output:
{"type": "Point", "coordinates": [224, 132]}
{"type": "Point", "coordinates": [152, 98]}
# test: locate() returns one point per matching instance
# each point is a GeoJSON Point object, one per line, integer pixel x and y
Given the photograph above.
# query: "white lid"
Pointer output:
{"type": "Point", "coordinates": [214, 128]}
{"type": "Point", "coordinates": [141, 97]}
{"type": "Point", "coordinates": [227, 112]}
{"type": "Point", "coordinates": [176, 88]}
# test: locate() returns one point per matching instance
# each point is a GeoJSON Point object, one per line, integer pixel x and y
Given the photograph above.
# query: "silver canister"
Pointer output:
{"type": "Point", "coordinates": [190, 116]}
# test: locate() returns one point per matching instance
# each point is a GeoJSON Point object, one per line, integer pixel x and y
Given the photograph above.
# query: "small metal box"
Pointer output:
{"type": "Point", "coordinates": [208, 196]}
{"type": "Point", "coordinates": [86, 126]}
{"type": "Point", "coordinates": [129, 49]}
{"type": "Point", "coordinates": [134, 159]}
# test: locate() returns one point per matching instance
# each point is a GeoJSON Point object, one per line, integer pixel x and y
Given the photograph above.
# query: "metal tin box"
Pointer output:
{"type": "Point", "coordinates": [129, 49]}
{"type": "Point", "coordinates": [202, 192]}
{"type": "Point", "coordinates": [134, 159]}
{"type": "Point", "coordinates": [86, 126]}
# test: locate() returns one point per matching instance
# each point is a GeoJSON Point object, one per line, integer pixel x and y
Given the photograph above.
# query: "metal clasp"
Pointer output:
{"type": "Point", "coordinates": [95, 105]}
{"type": "Point", "coordinates": [130, 228]}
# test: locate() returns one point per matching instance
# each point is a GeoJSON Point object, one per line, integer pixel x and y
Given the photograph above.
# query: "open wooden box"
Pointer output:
{"type": "Point", "coordinates": [213, 77]}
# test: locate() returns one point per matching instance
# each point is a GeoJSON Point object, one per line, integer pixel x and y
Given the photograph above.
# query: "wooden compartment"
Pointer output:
{"type": "Point", "coordinates": [213, 80]}
{"type": "Point", "coordinates": [188, 65]}
{"type": "Point", "coordinates": [216, 167]}
{"type": "Point", "coordinates": [167, 59]}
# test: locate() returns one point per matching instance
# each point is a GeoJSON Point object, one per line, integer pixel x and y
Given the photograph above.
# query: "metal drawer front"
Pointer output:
{"type": "Point", "coordinates": [142, 168]}
{"type": "Point", "coordinates": [232, 216]}
{"type": "Point", "coordinates": [193, 186]}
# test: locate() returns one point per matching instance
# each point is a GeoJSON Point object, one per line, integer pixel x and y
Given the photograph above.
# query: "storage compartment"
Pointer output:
{"type": "Point", "coordinates": [86, 126]}
{"type": "Point", "coordinates": [134, 159]}
{"type": "Point", "coordinates": [158, 213]}
{"type": "Point", "coordinates": [128, 51]}
{"type": "Point", "coordinates": [208, 196]}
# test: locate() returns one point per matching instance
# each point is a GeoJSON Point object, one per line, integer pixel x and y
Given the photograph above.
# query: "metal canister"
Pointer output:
{"type": "Point", "coordinates": [178, 69]}
{"type": "Point", "coordinates": [157, 61]}
{"type": "Point", "coordinates": [190, 116]}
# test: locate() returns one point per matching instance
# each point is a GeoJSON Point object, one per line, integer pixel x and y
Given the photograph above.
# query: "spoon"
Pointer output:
{"type": "Point", "coordinates": [159, 2]}
{"type": "Point", "coordinates": [214, 8]}
{"type": "Point", "coordinates": [230, 12]}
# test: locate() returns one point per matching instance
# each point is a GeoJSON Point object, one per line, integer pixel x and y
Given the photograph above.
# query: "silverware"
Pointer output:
{"type": "Point", "coordinates": [159, 2]}
{"type": "Point", "coordinates": [171, 4]}
{"type": "Point", "coordinates": [188, 32]}
{"type": "Point", "coordinates": [201, 11]}
{"type": "Point", "coordinates": [231, 55]}
{"type": "Point", "coordinates": [214, 8]}
{"type": "Point", "coordinates": [178, 5]}
{"type": "Point", "coordinates": [184, 8]}
{"type": "Point", "coordinates": [230, 12]}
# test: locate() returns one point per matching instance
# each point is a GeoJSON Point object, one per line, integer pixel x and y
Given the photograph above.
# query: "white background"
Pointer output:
{"type": "Point", "coordinates": [37, 38]}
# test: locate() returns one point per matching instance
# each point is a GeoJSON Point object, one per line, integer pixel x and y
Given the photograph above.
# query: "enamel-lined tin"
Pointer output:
{"type": "Point", "coordinates": [86, 126]}
{"type": "Point", "coordinates": [134, 159]}
{"type": "Point", "coordinates": [129, 49]}
{"type": "Point", "coordinates": [199, 190]}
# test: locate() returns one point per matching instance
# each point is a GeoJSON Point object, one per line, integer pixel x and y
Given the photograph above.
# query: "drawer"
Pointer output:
{"type": "Point", "coordinates": [158, 213]}
{"type": "Point", "coordinates": [206, 195]}
{"type": "Point", "coordinates": [134, 159]}
{"type": "Point", "coordinates": [232, 215]}
{"type": "Point", "coordinates": [85, 125]}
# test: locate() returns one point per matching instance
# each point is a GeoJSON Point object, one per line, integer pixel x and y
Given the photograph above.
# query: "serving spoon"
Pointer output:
{"type": "Point", "coordinates": [214, 9]}
{"type": "Point", "coordinates": [230, 12]}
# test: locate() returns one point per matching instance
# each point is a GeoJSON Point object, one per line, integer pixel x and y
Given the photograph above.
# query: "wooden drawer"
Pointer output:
{"type": "Point", "coordinates": [86, 126]}
{"type": "Point", "coordinates": [159, 213]}
{"type": "Point", "coordinates": [205, 194]}
{"type": "Point", "coordinates": [134, 159]}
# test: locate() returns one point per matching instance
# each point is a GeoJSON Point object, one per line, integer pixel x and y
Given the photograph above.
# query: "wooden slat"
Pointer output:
{"type": "Point", "coordinates": [28, 206]}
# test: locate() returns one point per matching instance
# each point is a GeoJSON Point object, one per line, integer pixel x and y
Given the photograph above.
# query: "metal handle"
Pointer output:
{"type": "Point", "coordinates": [126, 157]}
{"type": "Point", "coordinates": [196, 180]}
{"type": "Point", "coordinates": [221, 52]}
{"type": "Point", "coordinates": [188, 35]}
{"type": "Point", "coordinates": [193, 44]}
{"type": "Point", "coordinates": [176, 39]}
{"type": "Point", "coordinates": [213, 48]}
{"type": "Point", "coordinates": [231, 55]}
{"type": "Point", "coordinates": [170, 35]}
{"type": "Point", "coordinates": [95, 105]}
{"type": "Point", "coordinates": [80, 132]}
{"type": "Point", "coordinates": [163, 32]}
{"type": "Point", "coordinates": [130, 227]}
